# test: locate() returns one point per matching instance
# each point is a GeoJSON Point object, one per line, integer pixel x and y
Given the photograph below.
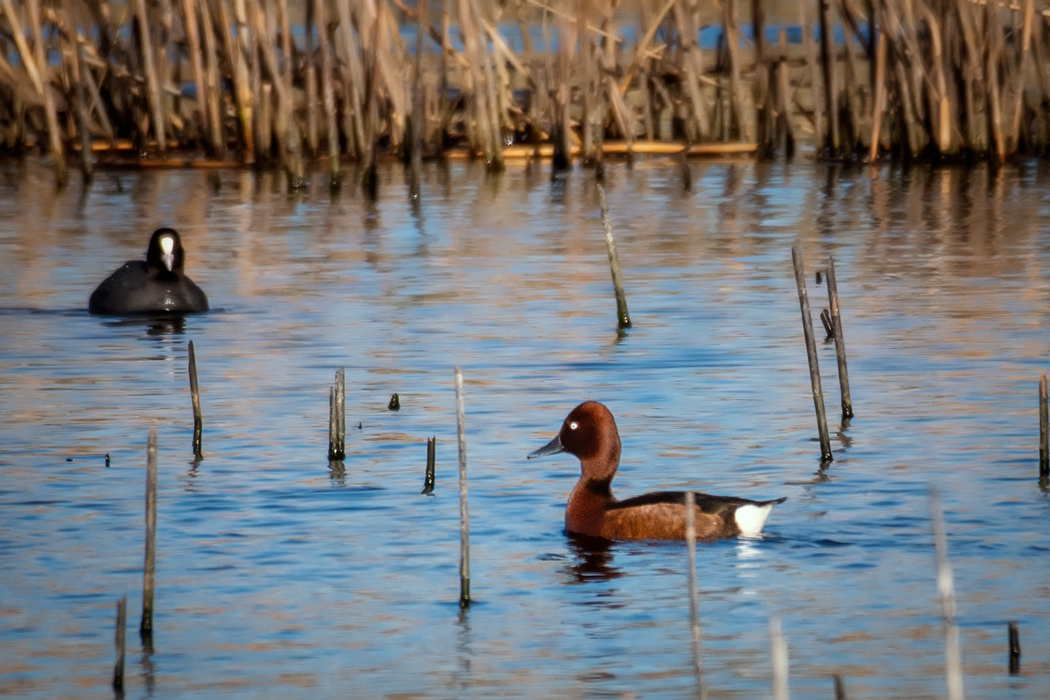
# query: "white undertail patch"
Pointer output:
{"type": "Point", "coordinates": [750, 519]}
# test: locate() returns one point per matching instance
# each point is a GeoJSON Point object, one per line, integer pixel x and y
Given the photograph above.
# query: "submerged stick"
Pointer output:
{"type": "Point", "coordinates": [840, 342]}
{"type": "Point", "coordinates": [946, 591]}
{"type": "Point", "coordinates": [622, 315]}
{"type": "Point", "coordinates": [428, 481]}
{"type": "Point", "coordinates": [150, 568]}
{"type": "Point", "coordinates": [337, 418]}
{"type": "Point", "coordinates": [196, 396]}
{"type": "Point", "coordinates": [1044, 431]}
{"type": "Point", "coordinates": [1015, 648]}
{"type": "Point", "coordinates": [122, 623]}
{"type": "Point", "coordinates": [825, 318]}
{"type": "Point", "coordinates": [694, 597]}
{"type": "Point", "coordinates": [811, 352]}
{"type": "Point", "coordinates": [779, 652]}
{"type": "Point", "coordinates": [464, 517]}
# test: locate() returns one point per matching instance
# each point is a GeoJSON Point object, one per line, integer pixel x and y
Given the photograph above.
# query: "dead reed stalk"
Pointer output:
{"type": "Point", "coordinates": [952, 79]}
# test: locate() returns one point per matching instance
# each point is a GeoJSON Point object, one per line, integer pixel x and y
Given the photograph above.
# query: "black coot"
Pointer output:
{"type": "Point", "coordinates": [157, 285]}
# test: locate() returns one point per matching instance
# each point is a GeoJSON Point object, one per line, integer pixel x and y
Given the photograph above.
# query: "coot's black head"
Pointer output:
{"type": "Point", "coordinates": [165, 250]}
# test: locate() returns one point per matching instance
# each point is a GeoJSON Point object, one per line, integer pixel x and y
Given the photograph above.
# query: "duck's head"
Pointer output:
{"type": "Point", "coordinates": [589, 432]}
{"type": "Point", "coordinates": [165, 250]}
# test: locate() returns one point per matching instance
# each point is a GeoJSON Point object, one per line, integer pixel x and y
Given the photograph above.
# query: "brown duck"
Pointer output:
{"type": "Point", "coordinates": [589, 432]}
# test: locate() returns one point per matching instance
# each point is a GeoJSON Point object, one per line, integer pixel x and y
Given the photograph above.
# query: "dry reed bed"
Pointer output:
{"type": "Point", "coordinates": [937, 79]}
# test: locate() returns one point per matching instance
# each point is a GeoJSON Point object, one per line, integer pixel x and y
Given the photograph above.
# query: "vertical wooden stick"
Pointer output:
{"type": "Point", "coordinates": [840, 342]}
{"type": "Point", "coordinates": [122, 623]}
{"type": "Point", "coordinates": [694, 596]}
{"type": "Point", "coordinates": [464, 517]}
{"type": "Point", "coordinates": [811, 352]}
{"type": "Point", "coordinates": [779, 653]}
{"type": "Point", "coordinates": [198, 422]}
{"type": "Point", "coordinates": [623, 316]}
{"type": "Point", "coordinates": [1044, 431]}
{"type": "Point", "coordinates": [150, 568]}
{"type": "Point", "coordinates": [1015, 648]}
{"type": "Point", "coordinates": [337, 418]}
{"type": "Point", "coordinates": [946, 591]}
{"type": "Point", "coordinates": [428, 482]}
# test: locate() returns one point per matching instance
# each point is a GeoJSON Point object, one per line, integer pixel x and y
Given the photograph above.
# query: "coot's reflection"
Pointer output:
{"type": "Point", "coordinates": [591, 559]}
{"type": "Point", "coordinates": [155, 324]}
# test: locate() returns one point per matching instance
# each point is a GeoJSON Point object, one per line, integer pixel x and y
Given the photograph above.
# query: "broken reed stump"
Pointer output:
{"type": "Point", "coordinates": [428, 481]}
{"type": "Point", "coordinates": [150, 568]}
{"type": "Point", "coordinates": [622, 315]}
{"type": "Point", "coordinates": [1014, 640]}
{"type": "Point", "coordinates": [840, 687]}
{"type": "Point", "coordinates": [825, 318]}
{"type": "Point", "coordinates": [811, 353]}
{"type": "Point", "coordinates": [779, 654]}
{"type": "Point", "coordinates": [840, 342]}
{"type": "Point", "coordinates": [337, 418]}
{"type": "Point", "coordinates": [1044, 431]}
{"type": "Point", "coordinates": [464, 517]}
{"type": "Point", "coordinates": [198, 422]}
{"type": "Point", "coordinates": [122, 624]}
{"type": "Point", "coordinates": [694, 595]}
{"type": "Point", "coordinates": [946, 592]}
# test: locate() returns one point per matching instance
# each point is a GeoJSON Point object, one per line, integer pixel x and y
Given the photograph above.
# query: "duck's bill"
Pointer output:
{"type": "Point", "coordinates": [551, 448]}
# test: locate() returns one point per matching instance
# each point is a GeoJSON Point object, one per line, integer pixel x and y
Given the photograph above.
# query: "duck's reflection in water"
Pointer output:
{"type": "Point", "coordinates": [590, 559]}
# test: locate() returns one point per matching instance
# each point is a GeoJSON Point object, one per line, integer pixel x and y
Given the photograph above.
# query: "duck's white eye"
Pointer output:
{"type": "Point", "coordinates": [573, 425]}
{"type": "Point", "coordinates": [167, 244]}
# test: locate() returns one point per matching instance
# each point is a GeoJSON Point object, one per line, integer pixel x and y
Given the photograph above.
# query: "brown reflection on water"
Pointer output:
{"type": "Point", "coordinates": [592, 559]}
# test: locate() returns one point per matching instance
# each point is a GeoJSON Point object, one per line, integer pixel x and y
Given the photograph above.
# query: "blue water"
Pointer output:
{"type": "Point", "coordinates": [280, 577]}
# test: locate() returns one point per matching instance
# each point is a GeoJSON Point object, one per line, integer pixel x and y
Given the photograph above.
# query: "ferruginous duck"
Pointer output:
{"type": "Point", "coordinates": [589, 432]}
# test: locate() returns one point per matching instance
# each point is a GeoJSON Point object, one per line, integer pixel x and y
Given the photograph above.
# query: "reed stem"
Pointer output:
{"type": "Point", "coordinates": [464, 516]}
{"type": "Point", "coordinates": [1044, 431]}
{"type": "Point", "coordinates": [1014, 640]}
{"type": "Point", "coordinates": [198, 421]}
{"type": "Point", "coordinates": [121, 634]}
{"type": "Point", "coordinates": [946, 592]}
{"type": "Point", "coordinates": [811, 354]}
{"type": "Point", "coordinates": [337, 418]}
{"type": "Point", "coordinates": [694, 595]}
{"type": "Point", "coordinates": [150, 568]}
{"type": "Point", "coordinates": [840, 342]}
{"type": "Point", "coordinates": [428, 482]}
{"type": "Point", "coordinates": [779, 653]}
{"type": "Point", "coordinates": [622, 314]}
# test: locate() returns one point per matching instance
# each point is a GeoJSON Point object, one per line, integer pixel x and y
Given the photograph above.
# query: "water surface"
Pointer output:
{"type": "Point", "coordinates": [278, 576]}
